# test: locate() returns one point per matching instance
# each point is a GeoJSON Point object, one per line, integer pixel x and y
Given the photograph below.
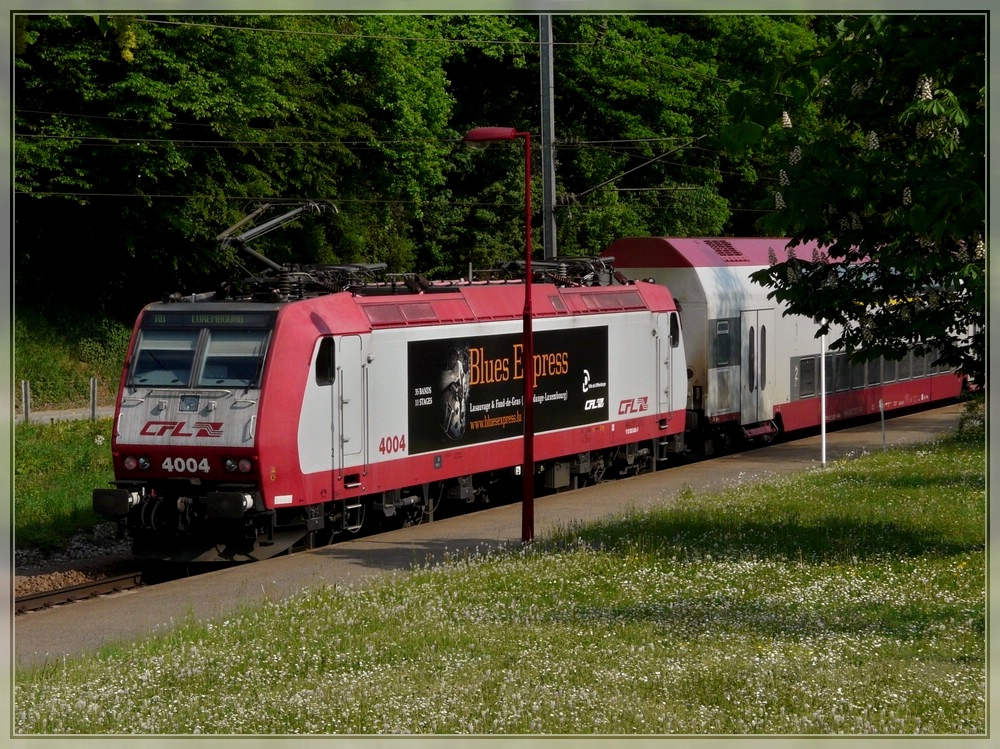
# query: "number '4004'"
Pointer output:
{"type": "Point", "coordinates": [389, 445]}
{"type": "Point", "coordinates": [185, 465]}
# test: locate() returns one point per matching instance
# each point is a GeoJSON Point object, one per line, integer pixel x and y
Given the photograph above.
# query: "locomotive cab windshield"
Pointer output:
{"type": "Point", "coordinates": [200, 350]}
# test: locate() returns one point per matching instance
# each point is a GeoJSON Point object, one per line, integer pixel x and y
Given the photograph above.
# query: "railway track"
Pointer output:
{"type": "Point", "coordinates": [59, 596]}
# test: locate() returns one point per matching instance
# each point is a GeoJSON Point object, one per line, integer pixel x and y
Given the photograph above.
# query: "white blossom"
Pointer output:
{"type": "Point", "coordinates": [907, 196]}
{"type": "Point", "coordinates": [786, 120]}
{"type": "Point", "coordinates": [779, 201]}
{"type": "Point", "coordinates": [872, 141]}
{"type": "Point", "coordinates": [783, 178]}
{"type": "Point", "coordinates": [795, 156]}
{"type": "Point", "coordinates": [925, 89]}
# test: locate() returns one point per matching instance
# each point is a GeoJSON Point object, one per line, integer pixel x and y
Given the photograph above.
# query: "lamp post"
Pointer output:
{"type": "Point", "coordinates": [487, 135]}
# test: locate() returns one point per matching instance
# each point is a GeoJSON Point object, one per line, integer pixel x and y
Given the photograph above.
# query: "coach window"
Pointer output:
{"type": "Point", "coordinates": [903, 371]}
{"type": "Point", "coordinates": [843, 367]}
{"type": "Point", "coordinates": [889, 370]}
{"type": "Point", "coordinates": [857, 376]}
{"type": "Point", "coordinates": [722, 343]}
{"type": "Point", "coordinates": [325, 363]}
{"type": "Point", "coordinates": [675, 330]}
{"type": "Point", "coordinates": [874, 371]}
{"type": "Point", "coordinates": [831, 383]}
{"type": "Point", "coordinates": [753, 364]}
{"type": "Point", "coordinates": [807, 377]}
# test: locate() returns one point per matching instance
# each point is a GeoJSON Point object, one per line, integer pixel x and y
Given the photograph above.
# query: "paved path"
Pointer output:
{"type": "Point", "coordinates": [67, 414]}
{"type": "Point", "coordinates": [85, 626]}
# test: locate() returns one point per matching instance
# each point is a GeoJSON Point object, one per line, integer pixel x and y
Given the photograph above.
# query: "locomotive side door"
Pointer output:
{"type": "Point", "coordinates": [667, 340]}
{"type": "Point", "coordinates": [756, 366]}
{"type": "Point", "coordinates": [350, 404]}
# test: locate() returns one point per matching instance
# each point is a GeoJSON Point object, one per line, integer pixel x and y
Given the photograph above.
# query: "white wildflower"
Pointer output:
{"type": "Point", "coordinates": [99, 439]}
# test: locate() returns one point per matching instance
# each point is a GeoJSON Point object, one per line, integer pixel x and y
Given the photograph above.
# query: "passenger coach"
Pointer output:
{"type": "Point", "coordinates": [754, 371]}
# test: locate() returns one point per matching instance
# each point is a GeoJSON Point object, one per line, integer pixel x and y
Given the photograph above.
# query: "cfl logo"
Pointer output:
{"type": "Point", "coordinates": [593, 404]}
{"type": "Point", "coordinates": [633, 405]}
{"type": "Point", "coordinates": [176, 429]}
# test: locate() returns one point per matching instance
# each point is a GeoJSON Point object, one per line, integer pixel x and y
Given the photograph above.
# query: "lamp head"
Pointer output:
{"type": "Point", "coordinates": [478, 137]}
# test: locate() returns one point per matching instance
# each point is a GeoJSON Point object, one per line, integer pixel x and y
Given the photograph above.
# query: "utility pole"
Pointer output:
{"type": "Point", "coordinates": [548, 134]}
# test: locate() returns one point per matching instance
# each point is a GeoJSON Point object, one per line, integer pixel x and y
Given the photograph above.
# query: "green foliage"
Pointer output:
{"type": "Point", "coordinates": [884, 160]}
{"type": "Point", "coordinates": [139, 138]}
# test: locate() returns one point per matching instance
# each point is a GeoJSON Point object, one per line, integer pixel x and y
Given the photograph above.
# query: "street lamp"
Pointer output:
{"type": "Point", "coordinates": [487, 135]}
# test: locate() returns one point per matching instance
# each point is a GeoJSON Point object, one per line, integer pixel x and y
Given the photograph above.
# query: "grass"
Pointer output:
{"type": "Point", "coordinates": [849, 600]}
{"type": "Point", "coordinates": [56, 468]}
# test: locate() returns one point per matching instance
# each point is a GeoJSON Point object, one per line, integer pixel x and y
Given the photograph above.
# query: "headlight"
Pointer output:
{"type": "Point", "coordinates": [131, 463]}
{"type": "Point", "coordinates": [243, 466]}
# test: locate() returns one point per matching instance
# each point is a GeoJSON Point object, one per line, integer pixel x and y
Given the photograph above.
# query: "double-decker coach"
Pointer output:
{"type": "Point", "coordinates": [753, 370]}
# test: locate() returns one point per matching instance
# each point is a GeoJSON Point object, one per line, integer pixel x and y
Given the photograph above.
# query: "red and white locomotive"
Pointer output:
{"type": "Point", "coordinates": [245, 426]}
{"type": "Point", "coordinates": [753, 371]}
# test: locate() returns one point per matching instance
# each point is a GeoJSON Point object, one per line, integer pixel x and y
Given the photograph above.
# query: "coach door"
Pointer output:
{"type": "Point", "coordinates": [350, 403]}
{"type": "Point", "coordinates": [756, 366]}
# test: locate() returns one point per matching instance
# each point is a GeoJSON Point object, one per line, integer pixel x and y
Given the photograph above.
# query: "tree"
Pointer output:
{"type": "Point", "coordinates": [139, 139]}
{"type": "Point", "coordinates": [890, 180]}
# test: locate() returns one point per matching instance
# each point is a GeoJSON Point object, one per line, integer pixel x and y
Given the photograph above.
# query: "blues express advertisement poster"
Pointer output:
{"type": "Point", "coordinates": [465, 391]}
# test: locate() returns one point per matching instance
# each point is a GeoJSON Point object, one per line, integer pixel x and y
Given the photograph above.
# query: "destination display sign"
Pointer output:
{"type": "Point", "coordinates": [202, 319]}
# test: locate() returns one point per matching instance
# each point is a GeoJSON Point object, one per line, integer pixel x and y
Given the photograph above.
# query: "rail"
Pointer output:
{"type": "Point", "coordinates": [59, 596]}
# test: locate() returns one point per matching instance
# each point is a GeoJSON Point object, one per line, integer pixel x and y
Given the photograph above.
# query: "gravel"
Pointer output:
{"type": "Point", "coordinates": [87, 557]}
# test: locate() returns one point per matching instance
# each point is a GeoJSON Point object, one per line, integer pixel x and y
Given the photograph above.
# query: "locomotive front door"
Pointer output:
{"type": "Point", "coordinates": [756, 366]}
{"type": "Point", "coordinates": [350, 403]}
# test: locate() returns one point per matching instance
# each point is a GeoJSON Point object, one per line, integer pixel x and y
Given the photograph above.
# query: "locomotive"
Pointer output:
{"type": "Point", "coordinates": [247, 424]}
{"type": "Point", "coordinates": [318, 400]}
{"type": "Point", "coordinates": [754, 371]}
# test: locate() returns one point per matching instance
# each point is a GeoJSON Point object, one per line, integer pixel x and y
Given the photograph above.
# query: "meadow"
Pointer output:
{"type": "Point", "coordinates": [847, 600]}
